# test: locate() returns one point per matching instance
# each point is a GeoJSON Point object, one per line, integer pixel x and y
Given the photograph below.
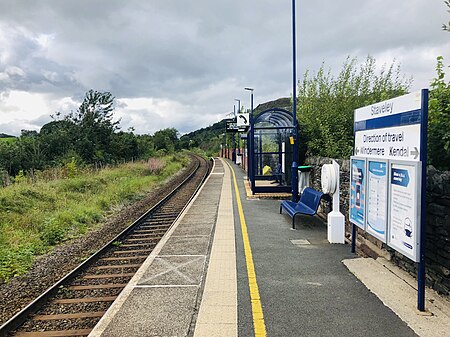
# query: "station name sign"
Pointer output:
{"type": "Point", "coordinates": [385, 175]}
{"type": "Point", "coordinates": [390, 129]}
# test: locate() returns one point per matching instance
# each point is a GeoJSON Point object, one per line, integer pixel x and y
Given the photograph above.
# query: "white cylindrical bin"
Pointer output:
{"type": "Point", "coordinates": [335, 219]}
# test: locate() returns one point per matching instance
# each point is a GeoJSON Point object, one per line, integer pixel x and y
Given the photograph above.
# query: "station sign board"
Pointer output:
{"type": "Point", "coordinates": [390, 129]}
{"type": "Point", "coordinates": [385, 173]}
{"type": "Point", "coordinates": [232, 126]}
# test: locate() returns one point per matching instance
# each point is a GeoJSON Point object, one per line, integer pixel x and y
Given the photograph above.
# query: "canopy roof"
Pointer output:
{"type": "Point", "coordinates": [276, 117]}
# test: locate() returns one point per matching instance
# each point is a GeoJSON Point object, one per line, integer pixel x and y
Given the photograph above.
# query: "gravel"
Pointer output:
{"type": "Point", "coordinates": [49, 268]}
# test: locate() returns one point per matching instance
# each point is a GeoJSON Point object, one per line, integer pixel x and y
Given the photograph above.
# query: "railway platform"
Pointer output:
{"type": "Point", "coordinates": [232, 266]}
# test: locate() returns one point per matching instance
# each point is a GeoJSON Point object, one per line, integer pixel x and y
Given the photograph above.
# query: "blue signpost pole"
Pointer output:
{"type": "Point", "coordinates": [353, 238]}
{"type": "Point", "coordinates": [423, 210]}
{"type": "Point", "coordinates": [250, 141]}
{"type": "Point", "coordinates": [294, 111]}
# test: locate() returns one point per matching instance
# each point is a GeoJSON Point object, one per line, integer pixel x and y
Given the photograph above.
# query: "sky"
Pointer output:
{"type": "Point", "coordinates": [182, 64]}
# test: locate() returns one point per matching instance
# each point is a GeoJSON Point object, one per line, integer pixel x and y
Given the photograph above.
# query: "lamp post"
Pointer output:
{"type": "Point", "coordinates": [250, 141]}
{"type": "Point", "coordinates": [233, 133]}
{"type": "Point", "coordinates": [235, 115]}
{"type": "Point", "coordinates": [224, 140]}
{"type": "Point", "coordinates": [294, 111]}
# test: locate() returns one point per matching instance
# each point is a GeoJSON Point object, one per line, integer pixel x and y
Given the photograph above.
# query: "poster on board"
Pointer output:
{"type": "Point", "coordinates": [404, 220]}
{"type": "Point", "coordinates": [357, 211]}
{"type": "Point", "coordinates": [377, 196]}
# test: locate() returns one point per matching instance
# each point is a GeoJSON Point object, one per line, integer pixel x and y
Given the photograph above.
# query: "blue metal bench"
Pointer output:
{"type": "Point", "coordinates": [308, 204]}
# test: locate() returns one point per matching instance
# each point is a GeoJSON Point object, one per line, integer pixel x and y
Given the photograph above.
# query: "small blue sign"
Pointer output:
{"type": "Point", "coordinates": [400, 177]}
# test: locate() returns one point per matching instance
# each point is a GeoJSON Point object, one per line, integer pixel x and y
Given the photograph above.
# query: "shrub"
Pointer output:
{"type": "Point", "coordinates": [52, 232]}
{"type": "Point", "coordinates": [439, 120]}
{"type": "Point", "coordinates": [326, 104]}
{"type": "Point", "coordinates": [155, 165]}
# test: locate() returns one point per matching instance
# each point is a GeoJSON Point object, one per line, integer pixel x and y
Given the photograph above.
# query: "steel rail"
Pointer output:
{"type": "Point", "coordinates": [20, 317]}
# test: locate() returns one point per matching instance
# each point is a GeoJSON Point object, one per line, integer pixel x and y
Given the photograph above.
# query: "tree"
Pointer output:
{"type": "Point", "coordinates": [166, 139]}
{"type": "Point", "coordinates": [124, 146]}
{"type": "Point", "coordinates": [57, 138]}
{"type": "Point", "coordinates": [94, 120]}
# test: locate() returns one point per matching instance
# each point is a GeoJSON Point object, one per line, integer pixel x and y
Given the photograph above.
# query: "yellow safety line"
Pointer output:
{"type": "Point", "coordinates": [258, 317]}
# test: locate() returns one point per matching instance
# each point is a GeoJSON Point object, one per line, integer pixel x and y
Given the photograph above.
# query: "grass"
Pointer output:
{"type": "Point", "coordinates": [8, 140]}
{"type": "Point", "coordinates": [36, 217]}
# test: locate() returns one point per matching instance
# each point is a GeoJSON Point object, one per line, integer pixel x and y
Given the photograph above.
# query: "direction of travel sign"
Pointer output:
{"type": "Point", "coordinates": [388, 176]}
{"type": "Point", "coordinates": [390, 129]}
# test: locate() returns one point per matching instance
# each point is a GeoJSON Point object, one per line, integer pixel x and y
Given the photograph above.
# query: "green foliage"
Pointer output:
{"type": "Point", "coordinates": [14, 262]}
{"type": "Point", "coordinates": [447, 26]}
{"type": "Point", "coordinates": [90, 135]}
{"type": "Point", "coordinates": [52, 233]}
{"type": "Point", "coordinates": [439, 120]}
{"type": "Point", "coordinates": [35, 217]}
{"type": "Point", "coordinates": [166, 139]}
{"type": "Point", "coordinates": [20, 177]}
{"type": "Point", "coordinates": [326, 104]}
{"type": "Point", "coordinates": [71, 168]}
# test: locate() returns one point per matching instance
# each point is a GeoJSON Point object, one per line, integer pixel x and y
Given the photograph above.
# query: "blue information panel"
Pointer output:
{"type": "Point", "coordinates": [377, 196]}
{"type": "Point", "coordinates": [404, 215]}
{"type": "Point", "coordinates": [358, 191]}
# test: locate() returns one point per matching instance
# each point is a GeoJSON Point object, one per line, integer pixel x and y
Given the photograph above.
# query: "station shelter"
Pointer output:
{"type": "Point", "coordinates": [270, 151]}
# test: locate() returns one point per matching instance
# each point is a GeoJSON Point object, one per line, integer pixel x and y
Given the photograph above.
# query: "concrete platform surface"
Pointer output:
{"type": "Point", "coordinates": [200, 280]}
{"type": "Point", "coordinates": [162, 299]}
{"type": "Point", "coordinates": [398, 291]}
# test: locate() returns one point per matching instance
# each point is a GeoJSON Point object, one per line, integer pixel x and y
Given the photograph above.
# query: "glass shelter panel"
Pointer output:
{"type": "Point", "coordinates": [271, 151]}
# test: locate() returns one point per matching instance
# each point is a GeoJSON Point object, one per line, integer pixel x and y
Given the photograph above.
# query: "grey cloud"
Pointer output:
{"type": "Point", "coordinates": [202, 53]}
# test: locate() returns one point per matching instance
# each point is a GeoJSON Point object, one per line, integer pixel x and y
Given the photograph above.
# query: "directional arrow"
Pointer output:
{"type": "Point", "coordinates": [415, 153]}
{"type": "Point", "coordinates": [243, 117]}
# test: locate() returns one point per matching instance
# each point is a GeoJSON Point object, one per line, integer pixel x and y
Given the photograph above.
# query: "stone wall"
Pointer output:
{"type": "Point", "coordinates": [437, 228]}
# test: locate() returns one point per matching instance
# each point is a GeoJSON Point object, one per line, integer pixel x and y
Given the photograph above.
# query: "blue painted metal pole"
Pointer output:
{"type": "Point", "coordinates": [423, 206]}
{"type": "Point", "coordinates": [353, 238]}
{"type": "Point", "coordinates": [239, 141]}
{"type": "Point", "coordinates": [252, 154]}
{"type": "Point", "coordinates": [294, 110]}
{"type": "Point", "coordinates": [251, 120]}
{"type": "Point", "coordinates": [233, 155]}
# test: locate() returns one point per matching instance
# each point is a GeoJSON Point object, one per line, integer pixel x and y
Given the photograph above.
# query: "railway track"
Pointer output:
{"type": "Point", "coordinates": [74, 305]}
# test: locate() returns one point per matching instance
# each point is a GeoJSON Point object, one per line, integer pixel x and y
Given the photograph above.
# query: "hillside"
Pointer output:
{"type": "Point", "coordinates": [209, 138]}
{"type": "Point", "coordinates": [4, 135]}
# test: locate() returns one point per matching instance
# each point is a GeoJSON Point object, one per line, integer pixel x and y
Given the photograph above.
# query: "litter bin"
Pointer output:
{"type": "Point", "coordinates": [303, 177]}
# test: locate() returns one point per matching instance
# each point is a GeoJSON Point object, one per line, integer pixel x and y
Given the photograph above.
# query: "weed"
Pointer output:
{"type": "Point", "coordinates": [45, 214]}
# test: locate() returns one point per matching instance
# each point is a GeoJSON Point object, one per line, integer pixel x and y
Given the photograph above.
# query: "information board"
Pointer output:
{"type": "Point", "coordinates": [404, 219]}
{"type": "Point", "coordinates": [390, 129]}
{"type": "Point", "coordinates": [391, 141]}
{"type": "Point", "coordinates": [377, 196]}
{"type": "Point", "coordinates": [388, 138]}
{"type": "Point", "coordinates": [357, 212]}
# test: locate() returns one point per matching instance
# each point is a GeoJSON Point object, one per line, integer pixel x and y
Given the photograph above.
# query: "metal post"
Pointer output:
{"type": "Point", "coordinates": [260, 155]}
{"type": "Point", "coordinates": [294, 111]}
{"type": "Point", "coordinates": [233, 154]}
{"type": "Point", "coordinates": [250, 154]}
{"type": "Point", "coordinates": [423, 200]}
{"type": "Point", "coordinates": [251, 121]}
{"type": "Point", "coordinates": [353, 238]}
{"type": "Point", "coordinates": [235, 115]}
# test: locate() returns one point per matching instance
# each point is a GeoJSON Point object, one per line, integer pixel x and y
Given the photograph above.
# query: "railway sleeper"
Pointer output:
{"type": "Point", "coordinates": [60, 333]}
